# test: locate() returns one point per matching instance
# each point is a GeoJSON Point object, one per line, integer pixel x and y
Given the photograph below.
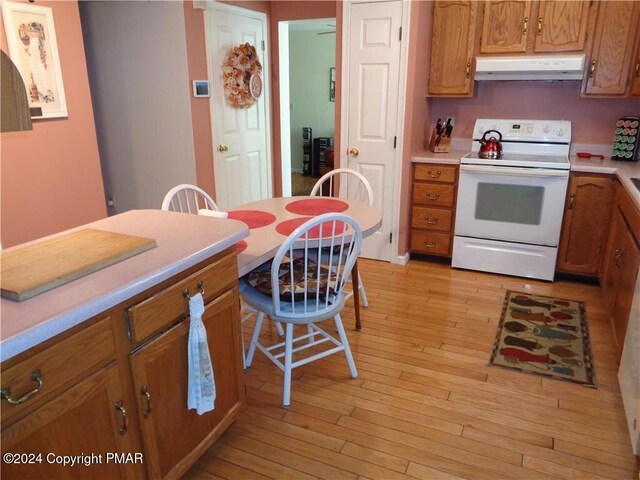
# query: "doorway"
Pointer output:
{"type": "Point", "coordinates": [307, 100]}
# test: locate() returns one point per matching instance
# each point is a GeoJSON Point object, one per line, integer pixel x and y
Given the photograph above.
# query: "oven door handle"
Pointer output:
{"type": "Point", "coordinates": [521, 172]}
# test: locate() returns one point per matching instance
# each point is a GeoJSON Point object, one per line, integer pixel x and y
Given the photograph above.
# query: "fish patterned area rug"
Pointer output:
{"type": "Point", "coordinates": [544, 335]}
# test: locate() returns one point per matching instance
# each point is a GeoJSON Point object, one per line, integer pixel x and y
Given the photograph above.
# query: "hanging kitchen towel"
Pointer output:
{"type": "Point", "coordinates": [202, 386]}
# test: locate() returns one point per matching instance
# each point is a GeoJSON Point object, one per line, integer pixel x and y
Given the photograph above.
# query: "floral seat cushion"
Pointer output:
{"type": "Point", "coordinates": [260, 279]}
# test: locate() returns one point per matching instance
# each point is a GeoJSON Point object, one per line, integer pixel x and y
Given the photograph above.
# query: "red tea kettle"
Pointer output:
{"type": "Point", "coordinates": [490, 148]}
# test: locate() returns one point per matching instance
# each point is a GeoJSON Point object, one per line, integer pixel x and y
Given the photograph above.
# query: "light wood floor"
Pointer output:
{"type": "Point", "coordinates": [426, 405]}
{"type": "Point", "coordinates": [301, 185]}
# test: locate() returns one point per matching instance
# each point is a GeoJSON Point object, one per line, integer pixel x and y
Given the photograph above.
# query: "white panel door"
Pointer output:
{"type": "Point", "coordinates": [374, 70]}
{"type": "Point", "coordinates": [242, 160]}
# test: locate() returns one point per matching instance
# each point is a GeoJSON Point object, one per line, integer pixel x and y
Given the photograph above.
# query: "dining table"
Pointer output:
{"type": "Point", "coordinates": [272, 220]}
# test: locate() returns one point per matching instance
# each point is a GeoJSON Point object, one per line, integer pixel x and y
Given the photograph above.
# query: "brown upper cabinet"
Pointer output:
{"type": "Point", "coordinates": [519, 26]}
{"type": "Point", "coordinates": [635, 74]}
{"type": "Point", "coordinates": [610, 59]}
{"type": "Point", "coordinates": [452, 48]}
{"type": "Point", "coordinates": [505, 26]}
{"type": "Point", "coordinates": [561, 26]}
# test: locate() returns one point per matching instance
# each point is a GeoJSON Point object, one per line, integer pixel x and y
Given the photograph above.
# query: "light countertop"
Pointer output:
{"type": "Point", "coordinates": [453, 157]}
{"type": "Point", "coordinates": [183, 240]}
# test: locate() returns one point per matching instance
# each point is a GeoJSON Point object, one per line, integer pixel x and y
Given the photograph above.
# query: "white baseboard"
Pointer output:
{"type": "Point", "coordinates": [401, 259]}
{"type": "Point", "coordinates": [296, 170]}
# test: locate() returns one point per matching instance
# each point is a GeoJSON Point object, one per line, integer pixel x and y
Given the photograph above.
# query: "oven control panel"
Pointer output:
{"type": "Point", "coordinates": [551, 131]}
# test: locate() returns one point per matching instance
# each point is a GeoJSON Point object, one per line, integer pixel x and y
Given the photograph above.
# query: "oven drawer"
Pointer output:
{"type": "Point", "coordinates": [431, 218]}
{"type": "Point", "coordinates": [433, 194]}
{"type": "Point", "coordinates": [432, 243]}
{"type": "Point", "coordinates": [435, 173]}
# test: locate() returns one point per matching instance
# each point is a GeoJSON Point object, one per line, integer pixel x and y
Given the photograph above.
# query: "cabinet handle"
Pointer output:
{"type": "Point", "coordinates": [540, 26]}
{"type": "Point", "coordinates": [125, 420]}
{"type": "Point", "coordinates": [638, 69]}
{"type": "Point", "coordinates": [200, 285]}
{"type": "Point", "coordinates": [433, 244]}
{"type": "Point", "coordinates": [431, 222]}
{"type": "Point", "coordinates": [436, 175]}
{"type": "Point", "coordinates": [145, 392]}
{"type": "Point", "coordinates": [468, 73]}
{"type": "Point", "coordinates": [592, 69]}
{"type": "Point", "coordinates": [617, 257]}
{"type": "Point", "coordinates": [6, 392]}
{"type": "Point", "coordinates": [434, 196]}
{"type": "Point", "coordinates": [525, 28]}
{"type": "Point", "coordinates": [572, 201]}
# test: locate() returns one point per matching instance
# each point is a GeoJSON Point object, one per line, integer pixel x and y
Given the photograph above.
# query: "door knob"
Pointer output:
{"type": "Point", "coordinates": [354, 152]}
{"type": "Point", "coordinates": [223, 148]}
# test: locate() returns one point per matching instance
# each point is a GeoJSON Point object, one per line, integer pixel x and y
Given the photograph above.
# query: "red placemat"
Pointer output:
{"type": "Point", "coordinates": [285, 228]}
{"type": "Point", "coordinates": [253, 218]}
{"type": "Point", "coordinates": [317, 206]}
{"type": "Point", "coordinates": [241, 246]}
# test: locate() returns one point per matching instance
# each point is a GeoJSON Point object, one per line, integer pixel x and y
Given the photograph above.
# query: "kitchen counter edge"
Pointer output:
{"type": "Point", "coordinates": [183, 240]}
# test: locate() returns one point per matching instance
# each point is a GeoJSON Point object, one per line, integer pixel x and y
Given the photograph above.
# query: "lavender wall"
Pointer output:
{"type": "Point", "coordinates": [592, 119]}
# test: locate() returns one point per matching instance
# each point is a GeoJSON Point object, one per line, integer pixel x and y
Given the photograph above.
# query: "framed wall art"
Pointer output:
{"type": "Point", "coordinates": [33, 48]}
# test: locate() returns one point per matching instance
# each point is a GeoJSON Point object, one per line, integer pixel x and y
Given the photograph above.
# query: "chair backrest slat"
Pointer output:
{"type": "Point", "coordinates": [337, 233]}
{"type": "Point", "coordinates": [354, 185]}
{"type": "Point", "coordinates": [187, 198]}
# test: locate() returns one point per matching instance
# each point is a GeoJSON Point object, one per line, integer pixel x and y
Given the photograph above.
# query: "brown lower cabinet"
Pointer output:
{"type": "Point", "coordinates": [620, 265]}
{"type": "Point", "coordinates": [111, 393]}
{"type": "Point", "coordinates": [433, 203]}
{"type": "Point", "coordinates": [588, 205]}
{"type": "Point", "coordinates": [173, 435]}
{"type": "Point", "coordinates": [81, 421]}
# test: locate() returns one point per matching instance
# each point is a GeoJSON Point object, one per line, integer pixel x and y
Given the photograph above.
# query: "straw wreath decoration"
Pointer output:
{"type": "Point", "coordinates": [241, 74]}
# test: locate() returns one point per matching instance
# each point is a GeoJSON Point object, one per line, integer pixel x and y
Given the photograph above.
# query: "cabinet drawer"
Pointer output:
{"type": "Point", "coordinates": [435, 173]}
{"type": "Point", "coordinates": [168, 305]}
{"type": "Point", "coordinates": [433, 194]}
{"type": "Point", "coordinates": [431, 218]}
{"type": "Point", "coordinates": [432, 243]}
{"type": "Point", "coordinates": [57, 365]}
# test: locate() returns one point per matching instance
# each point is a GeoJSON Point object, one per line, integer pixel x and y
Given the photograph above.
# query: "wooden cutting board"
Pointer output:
{"type": "Point", "coordinates": [29, 271]}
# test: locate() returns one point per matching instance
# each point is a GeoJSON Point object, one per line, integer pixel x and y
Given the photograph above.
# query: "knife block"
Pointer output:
{"type": "Point", "coordinates": [439, 143]}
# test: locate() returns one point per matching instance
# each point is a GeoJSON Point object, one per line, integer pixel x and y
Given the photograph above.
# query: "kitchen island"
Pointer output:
{"type": "Point", "coordinates": [98, 366]}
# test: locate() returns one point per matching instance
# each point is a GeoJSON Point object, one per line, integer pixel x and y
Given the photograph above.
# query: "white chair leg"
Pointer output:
{"type": "Point", "coordinates": [279, 328]}
{"type": "Point", "coordinates": [244, 354]}
{"type": "Point", "coordinates": [310, 332]}
{"type": "Point", "coordinates": [345, 342]}
{"type": "Point", "coordinates": [288, 359]}
{"type": "Point", "coordinates": [254, 339]}
{"type": "Point", "coordinates": [363, 294]}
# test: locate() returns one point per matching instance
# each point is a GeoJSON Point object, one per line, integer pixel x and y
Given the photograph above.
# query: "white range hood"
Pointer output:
{"type": "Point", "coordinates": [530, 67]}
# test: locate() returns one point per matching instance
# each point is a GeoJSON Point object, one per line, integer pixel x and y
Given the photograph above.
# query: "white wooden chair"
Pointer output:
{"type": "Point", "coordinates": [353, 185]}
{"type": "Point", "coordinates": [301, 292]}
{"type": "Point", "coordinates": [187, 198]}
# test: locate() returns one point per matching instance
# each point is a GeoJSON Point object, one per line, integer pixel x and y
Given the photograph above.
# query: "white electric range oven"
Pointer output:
{"type": "Point", "coordinates": [509, 210]}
